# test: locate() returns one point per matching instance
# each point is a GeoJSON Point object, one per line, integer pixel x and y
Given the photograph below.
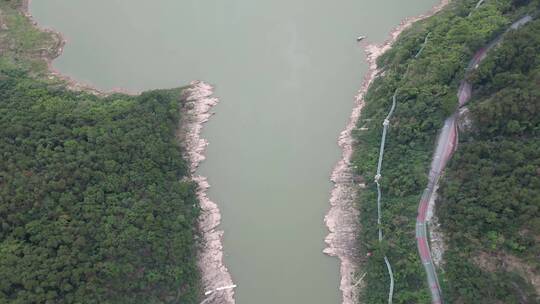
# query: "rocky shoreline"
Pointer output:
{"type": "Point", "coordinates": [342, 218]}
{"type": "Point", "coordinates": [199, 101]}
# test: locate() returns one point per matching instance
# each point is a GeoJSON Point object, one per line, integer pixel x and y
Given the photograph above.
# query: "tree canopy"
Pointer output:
{"type": "Point", "coordinates": [427, 88]}
{"type": "Point", "coordinates": [490, 199]}
{"type": "Point", "coordinates": [95, 201]}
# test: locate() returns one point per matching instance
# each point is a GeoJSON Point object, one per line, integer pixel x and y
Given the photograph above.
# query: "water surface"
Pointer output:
{"type": "Point", "coordinates": [286, 72]}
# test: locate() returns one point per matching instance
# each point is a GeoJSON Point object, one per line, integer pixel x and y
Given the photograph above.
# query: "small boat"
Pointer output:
{"type": "Point", "coordinates": [360, 38]}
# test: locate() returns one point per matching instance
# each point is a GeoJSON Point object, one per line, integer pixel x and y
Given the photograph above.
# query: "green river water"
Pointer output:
{"type": "Point", "coordinates": [286, 73]}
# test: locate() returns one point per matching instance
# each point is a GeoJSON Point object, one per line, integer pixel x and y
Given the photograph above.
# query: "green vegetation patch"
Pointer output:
{"type": "Point", "coordinates": [95, 206]}
{"type": "Point", "coordinates": [490, 198]}
{"type": "Point", "coordinates": [92, 201]}
{"type": "Point", "coordinates": [22, 45]}
{"type": "Point", "coordinates": [426, 96]}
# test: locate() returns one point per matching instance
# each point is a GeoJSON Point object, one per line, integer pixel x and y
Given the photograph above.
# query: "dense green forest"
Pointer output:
{"type": "Point", "coordinates": [490, 199]}
{"type": "Point", "coordinates": [95, 206]}
{"type": "Point", "coordinates": [427, 95]}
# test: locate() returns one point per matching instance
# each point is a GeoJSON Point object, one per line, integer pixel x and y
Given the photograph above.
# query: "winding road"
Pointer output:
{"type": "Point", "coordinates": [446, 145]}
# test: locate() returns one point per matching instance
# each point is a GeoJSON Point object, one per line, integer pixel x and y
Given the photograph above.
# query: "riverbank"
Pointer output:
{"type": "Point", "coordinates": [342, 218]}
{"type": "Point", "coordinates": [197, 102]}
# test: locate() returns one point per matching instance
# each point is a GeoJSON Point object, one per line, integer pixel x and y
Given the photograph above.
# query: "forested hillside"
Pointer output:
{"type": "Point", "coordinates": [426, 96]}
{"type": "Point", "coordinates": [490, 199]}
{"type": "Point", "coordinates": [95, 206]}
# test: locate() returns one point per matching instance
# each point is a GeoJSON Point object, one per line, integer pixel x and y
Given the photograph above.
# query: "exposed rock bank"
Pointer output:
{"type": "Point", "coordinates": [198, 103]}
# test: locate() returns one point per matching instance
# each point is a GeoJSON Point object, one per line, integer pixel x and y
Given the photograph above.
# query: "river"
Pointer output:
{"type": "Point", "coordinates": [286, 73]}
